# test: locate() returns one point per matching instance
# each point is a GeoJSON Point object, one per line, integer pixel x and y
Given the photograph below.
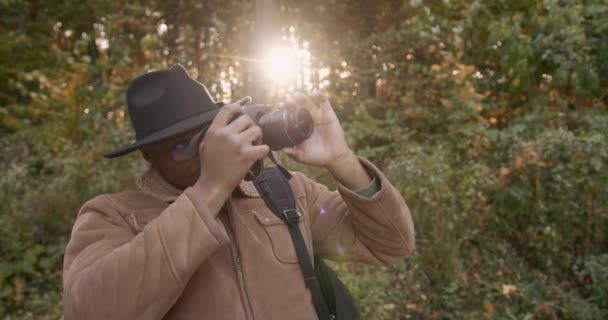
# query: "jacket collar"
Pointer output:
{"type": "Point", "coordinates": [153, 184]}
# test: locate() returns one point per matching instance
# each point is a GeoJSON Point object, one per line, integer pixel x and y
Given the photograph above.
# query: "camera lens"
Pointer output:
{"type": "Point", "coordinates": [285, 128]}
{"type": "Point", "coordinates": [298, 125]}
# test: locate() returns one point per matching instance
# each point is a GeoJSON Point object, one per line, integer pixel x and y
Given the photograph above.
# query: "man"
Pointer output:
{"type": "Point", "coordinates": [192, 240]}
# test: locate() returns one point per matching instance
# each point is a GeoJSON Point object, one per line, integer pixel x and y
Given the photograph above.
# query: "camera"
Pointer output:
{"type": "Point", "coordinates": [281, 127]}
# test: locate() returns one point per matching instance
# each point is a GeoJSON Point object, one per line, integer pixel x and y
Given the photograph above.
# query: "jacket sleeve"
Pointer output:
{"type": "Point", "coordinates": [112, 273]}
{"type": "Point", "coordinates": [348, 226]}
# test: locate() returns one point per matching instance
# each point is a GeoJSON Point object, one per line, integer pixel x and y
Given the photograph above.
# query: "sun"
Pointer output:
{"type": "Point", "coordinates": [282, 64]}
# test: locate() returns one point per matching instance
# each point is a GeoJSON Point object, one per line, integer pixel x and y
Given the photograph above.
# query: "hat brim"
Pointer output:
{"type": "Point", "coordinates": [201, 119]}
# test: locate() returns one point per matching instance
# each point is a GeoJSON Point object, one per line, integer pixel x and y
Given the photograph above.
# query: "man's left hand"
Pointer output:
{"type": "Point", "coordinates": [327, 144]}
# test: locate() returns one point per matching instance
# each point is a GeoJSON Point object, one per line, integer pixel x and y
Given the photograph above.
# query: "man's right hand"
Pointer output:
{"type": "Point", "coordinates": [226, 154]}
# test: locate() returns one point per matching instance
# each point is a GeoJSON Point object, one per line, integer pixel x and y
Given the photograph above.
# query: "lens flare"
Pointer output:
{"type": "Point", "coordinates": [282, 64]}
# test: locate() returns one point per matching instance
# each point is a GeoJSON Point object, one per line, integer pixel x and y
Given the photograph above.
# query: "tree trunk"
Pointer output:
{"type": "Point", "coordinates": [265, 37]}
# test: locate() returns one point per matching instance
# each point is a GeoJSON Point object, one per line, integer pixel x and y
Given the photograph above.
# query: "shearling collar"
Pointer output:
{"type": "Point", "coordinates": [153, 184]}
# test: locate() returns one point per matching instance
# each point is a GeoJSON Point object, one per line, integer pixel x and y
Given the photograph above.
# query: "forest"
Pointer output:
{"type": "Point", "coordinates": [489, 116]}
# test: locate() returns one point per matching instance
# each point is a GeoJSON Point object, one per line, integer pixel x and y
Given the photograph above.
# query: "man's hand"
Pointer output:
{"type": "Point", "coordinates": [327, 145]}
{"type": "Point", "coordinates": [226, 154]}
{"type": "Point", "coordinates": [327, 142]}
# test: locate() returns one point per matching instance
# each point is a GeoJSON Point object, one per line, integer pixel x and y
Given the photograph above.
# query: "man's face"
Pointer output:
{"type": "Point", "coordinates": [179, 174]}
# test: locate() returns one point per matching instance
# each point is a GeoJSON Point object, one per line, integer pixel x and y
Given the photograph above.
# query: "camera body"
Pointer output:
{"type": "Point", "coordinates": [281, 127]}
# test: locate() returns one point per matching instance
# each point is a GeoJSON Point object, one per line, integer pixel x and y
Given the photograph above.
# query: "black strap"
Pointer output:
{"type": "Point", "coordinates": [273, 185]}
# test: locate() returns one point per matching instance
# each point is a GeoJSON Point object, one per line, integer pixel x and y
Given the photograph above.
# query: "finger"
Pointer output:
{"type": "Point", "coordinates": [226, 114]}
{"type": "Point", "coordinates": [201, 146]}
{"type": "Point", "coordinates": [244, 101]}
{"type": "Point", "coordinates": [293, 152]}
{"type": "Point", "coordinates": [241, 123]}
{"type": "Point", "coordinates": [251, 134]}
{"type": "Point", "coordinates": [320, 99]}
{"type": "Point", "coordinates": [289, 103]}
{"type": "Point", "coordinates": [322, 102]}
{"type": "Point", "coordinates": [258, 152]}
{"type": "Point", "coordinates": [259, 140]}
{"type": "Point", "coordinates": [302, 100]}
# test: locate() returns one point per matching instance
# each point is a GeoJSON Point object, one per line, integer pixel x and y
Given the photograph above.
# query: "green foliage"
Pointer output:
{"type": "Point", "coordinates": [489, 116]}
{"type": "Point", "coordinates": [41, 194]}
{"type": "Point", "coordinates": [553, 193]}
{"type": "Point", "coordinates": [594, 276]}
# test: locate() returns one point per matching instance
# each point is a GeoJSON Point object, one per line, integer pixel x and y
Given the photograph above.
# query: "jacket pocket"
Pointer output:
{"type": "Point", "coordinates": [280, 239]}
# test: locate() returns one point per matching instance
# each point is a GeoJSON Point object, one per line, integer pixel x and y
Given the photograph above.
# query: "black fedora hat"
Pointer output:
{"type": "Point", "coordinates": [163, 104]}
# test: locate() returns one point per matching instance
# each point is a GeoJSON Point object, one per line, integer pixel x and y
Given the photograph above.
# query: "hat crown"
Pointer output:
{"type": "Point", "coordinates": [163, 104]}
{"type": "Point", "coordinates": [159, 99]}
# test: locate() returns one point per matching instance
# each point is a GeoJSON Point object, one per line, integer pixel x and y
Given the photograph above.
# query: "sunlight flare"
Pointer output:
{"type": "Point", "coordinates": [282, 64]}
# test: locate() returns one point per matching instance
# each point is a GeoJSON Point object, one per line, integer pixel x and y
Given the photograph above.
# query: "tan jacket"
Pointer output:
{"type": "Point", "coordinates": [153, 252]}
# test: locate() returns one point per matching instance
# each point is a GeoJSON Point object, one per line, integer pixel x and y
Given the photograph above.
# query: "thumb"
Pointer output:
{"type": "Point", "coordinates": [293, 152]}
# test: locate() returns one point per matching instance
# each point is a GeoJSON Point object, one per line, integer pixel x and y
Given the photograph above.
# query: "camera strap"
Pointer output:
{"type": "Point", "coordinates": [273, 185]}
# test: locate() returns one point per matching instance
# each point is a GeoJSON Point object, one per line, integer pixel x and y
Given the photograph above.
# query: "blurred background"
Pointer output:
{"type": "Point", "coordinates": [490, 116]}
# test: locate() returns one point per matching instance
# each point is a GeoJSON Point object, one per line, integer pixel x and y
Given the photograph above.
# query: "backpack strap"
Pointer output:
{"type": "Point", "coordinates": [273, 185]}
